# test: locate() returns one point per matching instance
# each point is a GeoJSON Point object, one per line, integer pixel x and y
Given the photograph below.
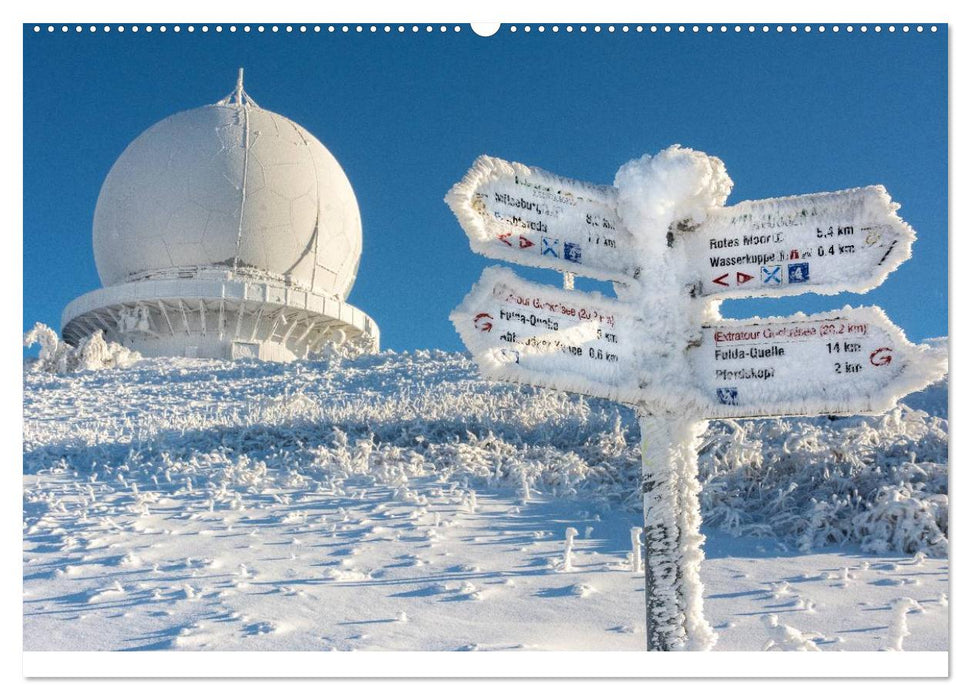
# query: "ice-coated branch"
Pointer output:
{"type": "Point", "coordinates": [92, 353]}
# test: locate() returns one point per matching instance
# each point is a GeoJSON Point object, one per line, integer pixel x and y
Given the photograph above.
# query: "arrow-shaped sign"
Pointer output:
{"type": "Point", "coordinates": [527, 216]}
{"type": "Point", "coordinates": [824, 243]}
{"type": "Point", "coordinates": [654, 349]}
{"type": "Point", "coordinates": [852, 361]}
{"type": "Point", "coordinates": [537, 334]}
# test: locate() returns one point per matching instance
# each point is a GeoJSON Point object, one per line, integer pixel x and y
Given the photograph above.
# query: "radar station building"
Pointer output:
{"type": "Point", "coordinates": [226, 231]}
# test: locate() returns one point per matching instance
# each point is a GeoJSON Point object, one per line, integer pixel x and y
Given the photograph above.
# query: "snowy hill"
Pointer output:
{"type": "Point", "coordinates": [398, 501]}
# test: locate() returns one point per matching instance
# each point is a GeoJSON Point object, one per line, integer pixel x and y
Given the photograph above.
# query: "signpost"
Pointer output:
{"type": "Point", "coordinates": [662, 348]}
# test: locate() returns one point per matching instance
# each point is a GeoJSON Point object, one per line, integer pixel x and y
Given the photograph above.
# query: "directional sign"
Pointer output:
{"type": "Point", "coordinates": [824, 243]}
{"type": "Point", "coordinates": [527, 216]}
{"type": "Point", "coordinates": [537, 334]}
{"type": "Point", "coordinates": [851, 362]}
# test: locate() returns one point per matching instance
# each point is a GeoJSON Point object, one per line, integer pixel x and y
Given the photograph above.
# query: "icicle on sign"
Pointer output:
{"type": "Point", "coordinates": [682, 367]}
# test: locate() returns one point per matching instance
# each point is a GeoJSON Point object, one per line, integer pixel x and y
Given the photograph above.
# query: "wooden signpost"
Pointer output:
{"type": "Point", "coordinates": [659, 348]}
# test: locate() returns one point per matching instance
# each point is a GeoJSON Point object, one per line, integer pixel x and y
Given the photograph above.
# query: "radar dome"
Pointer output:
{"type": "Point", "coordinates": [229, 185]}
{"type": "Point", "coordinates": [226, 232]}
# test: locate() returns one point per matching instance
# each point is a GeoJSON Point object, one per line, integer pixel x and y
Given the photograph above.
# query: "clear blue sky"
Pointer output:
{"type": "Point", "coordinates": [406, 114]}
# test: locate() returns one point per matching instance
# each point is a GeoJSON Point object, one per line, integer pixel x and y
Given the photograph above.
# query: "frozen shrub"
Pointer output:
{"type": "Point", "coordinates": [93, 353]}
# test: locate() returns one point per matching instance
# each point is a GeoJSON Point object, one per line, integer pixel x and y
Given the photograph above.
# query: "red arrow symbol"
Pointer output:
{"type": "Point", "coordinates": [504, 237]}
{"type": "Point", "coordinates": [721, 280]}
{"type": "Point", "coordinates": [742, 278]}
{"type": "Point", "coordinates": [525, 242]}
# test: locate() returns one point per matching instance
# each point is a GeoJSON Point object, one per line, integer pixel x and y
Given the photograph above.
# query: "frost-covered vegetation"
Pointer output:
{"type": "Point", "coordinates": [878, 482]}
{"type": "Point", "coordinates": [236, 433]}
{"type": "Point", "coordinates": [93, 353]}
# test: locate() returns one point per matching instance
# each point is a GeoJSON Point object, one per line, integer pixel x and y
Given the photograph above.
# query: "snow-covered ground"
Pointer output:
{"type": "Point", "coordinates": [398, 501]}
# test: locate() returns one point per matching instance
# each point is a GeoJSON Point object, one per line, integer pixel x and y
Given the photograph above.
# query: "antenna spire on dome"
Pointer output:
{"type": "Point", "coordinates": [238, 96]}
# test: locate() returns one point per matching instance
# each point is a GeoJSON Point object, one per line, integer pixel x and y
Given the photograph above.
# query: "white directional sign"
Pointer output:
{"type": "Point", "coordinates": [527, 216]}
{"type": "Point", "coordinates": [851, 362]}
{"type": "Point", "coordinates": [537, 334]}
{"type": "Point", "coordinates": [824, 243]}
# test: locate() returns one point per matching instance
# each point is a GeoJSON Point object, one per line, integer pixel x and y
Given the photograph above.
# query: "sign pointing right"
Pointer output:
{"type": "Point", "coordinates": [826, 243]}
{"type": "Point", "coordinates": [853, 361]}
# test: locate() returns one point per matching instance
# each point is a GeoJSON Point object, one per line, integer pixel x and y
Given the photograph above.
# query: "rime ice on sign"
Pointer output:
{"type": "Point", "coordinates": [825, 243]}
{"type": "Point", "coordinates": [537, 334]}
{"type": "Point", "coordinates": [528, 216]}
{"type": "Point", "coordinates": [851, 362]}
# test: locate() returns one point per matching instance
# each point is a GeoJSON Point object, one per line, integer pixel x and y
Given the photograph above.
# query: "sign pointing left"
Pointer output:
{"type": "Point", "coordinates": [531, 217]}
{"type": "Point", "coordinates": [536, 334]}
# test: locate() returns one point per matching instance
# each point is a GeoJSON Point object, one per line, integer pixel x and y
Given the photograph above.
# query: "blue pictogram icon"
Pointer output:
{"type": "Point", "coordinates": [571, 252]}
{"type": "Point", "coordinates": [549, 246]}
{"type": "Point", "coordinates": [772, 275]}
{"type": "Point", "coordinates": [798, 272]}
{"type": "Point", "coordinates": [727, 395]}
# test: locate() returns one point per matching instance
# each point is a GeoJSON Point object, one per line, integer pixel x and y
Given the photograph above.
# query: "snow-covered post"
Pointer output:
{"type": "Point", "coordinates": [658, 199]}
{"type": "Point", "coordinates": [699, 635]}
{"type": "Point", "coordinates": [672, 534]}
{"type": "Point", "coordinates": [665, 616]}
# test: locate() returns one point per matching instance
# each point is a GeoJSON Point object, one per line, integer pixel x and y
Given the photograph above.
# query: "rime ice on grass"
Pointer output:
{"type": "Point", "coordinates": [898, 623]}
{"type": "Point", "coordinates": [571, 532]}
{"type": "Point", "coordinates": [635, 548]}
{"type": "Point", "coordinates": [92, 353]}
{"type": "Point", "coordinates": [783, 637]}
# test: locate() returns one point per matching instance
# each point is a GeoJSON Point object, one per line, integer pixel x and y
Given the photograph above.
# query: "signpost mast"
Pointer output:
{"type": "Point", "coordinates": [669, 467]}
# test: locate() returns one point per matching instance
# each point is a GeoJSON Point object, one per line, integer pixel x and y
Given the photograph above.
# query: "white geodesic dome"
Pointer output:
{"type": "Point", "coordinates": [232, 186]}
